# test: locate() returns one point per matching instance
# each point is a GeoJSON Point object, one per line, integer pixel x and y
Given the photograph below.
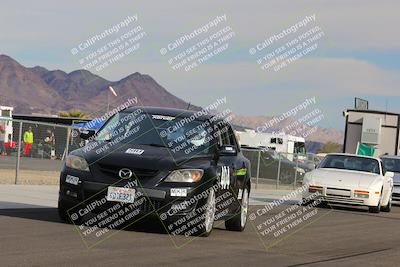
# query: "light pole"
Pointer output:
{"type": "Point", "coordinates": [110, 89]}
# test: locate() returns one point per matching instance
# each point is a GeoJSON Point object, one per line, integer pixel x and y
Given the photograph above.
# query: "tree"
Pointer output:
{"type": "Point", "coordinates": [74, 113]}
{"type": "Point", "coordinates": [330, 147]}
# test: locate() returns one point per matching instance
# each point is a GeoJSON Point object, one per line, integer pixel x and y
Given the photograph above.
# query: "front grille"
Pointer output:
{"type": "Point", "coordinates": [113, 171]}
{"type": "Point", "coordinates": [344, 200]}
{"type": "Point", "coordinates": [396, 195]}
{"type": "Point", "coordinates": [147, 207]}
{"type": "Point", "coordinates": [338, 192]}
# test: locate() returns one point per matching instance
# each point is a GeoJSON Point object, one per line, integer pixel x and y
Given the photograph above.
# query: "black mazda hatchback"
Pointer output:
{"type": "Point", "coordinates": [183, 167]}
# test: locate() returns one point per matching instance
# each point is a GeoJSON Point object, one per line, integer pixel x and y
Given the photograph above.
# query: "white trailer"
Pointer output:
{"type": "Point", "coordinates": [6, 120]}
{"type": "Point", "coordinates": [280, 142]}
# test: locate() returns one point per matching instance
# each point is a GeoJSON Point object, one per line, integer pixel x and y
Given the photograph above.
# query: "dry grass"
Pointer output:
{"type": "Point", "coordinates": [31, 177]}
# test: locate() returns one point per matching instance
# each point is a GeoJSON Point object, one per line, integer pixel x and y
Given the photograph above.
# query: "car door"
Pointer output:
{"type": "Point", "coordinates": [232, 169]}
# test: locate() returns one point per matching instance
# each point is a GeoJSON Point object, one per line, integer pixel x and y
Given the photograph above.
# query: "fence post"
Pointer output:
{"type": "Point", "coordinates": [67, 144]}
{"type": "Point", "coordinates": [295, 173]}
{"type": "Point", "coordinates": [258, 167]}
{"type": "Point", "coordinates": [18, 152]}
{"type": "Point", "coordinates": [279, 171]}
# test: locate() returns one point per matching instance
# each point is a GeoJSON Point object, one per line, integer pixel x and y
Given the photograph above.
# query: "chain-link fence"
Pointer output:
{"type": "Point", "coordinates": [274, 170]}
{"type": "Point", "coordinates": [32, 152]}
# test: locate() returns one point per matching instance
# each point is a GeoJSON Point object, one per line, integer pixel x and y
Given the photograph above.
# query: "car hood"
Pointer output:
{"type": "Point", "coordinates": [148, 157]}
{"type": "Point", "coordinates": [343, 178]}
{"type": "Point", "coordinates": [396, 178]}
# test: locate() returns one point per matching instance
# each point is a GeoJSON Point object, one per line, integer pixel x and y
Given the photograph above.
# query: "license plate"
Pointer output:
{"type": "Point", "coordinates": [72, 179]}
{"type": "Point", "coordinates": [178, 192]}
{"type": "Point", "coordinates": [120, 194]}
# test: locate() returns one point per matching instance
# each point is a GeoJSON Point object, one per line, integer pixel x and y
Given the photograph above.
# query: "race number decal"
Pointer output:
{"type": "Point", "coordinates": [225, 179]}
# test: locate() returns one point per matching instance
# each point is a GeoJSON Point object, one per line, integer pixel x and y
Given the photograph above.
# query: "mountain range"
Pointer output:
{"type": "Point", "coordinates": [39, 90]}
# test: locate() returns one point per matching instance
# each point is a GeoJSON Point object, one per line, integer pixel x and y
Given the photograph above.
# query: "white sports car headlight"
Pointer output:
{"type": "Point", "coordinates": [185, 176]}
{"type": "Point", "coordinates": [361, 194]}
{"type": "Point", "coordinates": [77, 163]}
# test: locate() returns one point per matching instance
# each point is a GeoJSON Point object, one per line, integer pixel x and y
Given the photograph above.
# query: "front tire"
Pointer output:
{"type": "Point", "coordinates": [238, 222]}
{"type": "Point", "coordinates": [209, 215]}
{"type": "Point", "coordinates": [388, 207]}
{"type": "Point", "coordinates": [65, 217]}
{"type": "Point", "coordinates": [376, 209]}
{"type": "Point", "coordinates": [323, 205]}
{"type": "Point", "coordinates": [62, 213]}
{"type": "Point", "coordinates": [304, 202]}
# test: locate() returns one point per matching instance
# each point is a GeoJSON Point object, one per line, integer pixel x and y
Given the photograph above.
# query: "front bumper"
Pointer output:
{"type": "Point", "coordinates": [343, 196]}
{"type": "Point", "coordinates": [88, 197]}
{"type": "Point", "coordinates": [396, 193]}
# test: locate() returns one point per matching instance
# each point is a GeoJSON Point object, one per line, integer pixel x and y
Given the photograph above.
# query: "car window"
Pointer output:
{"type": "Point", "coordinates": [232, 137]}
{"type": "Point", "coordinates": [347, 162]}
{"type": "Point", "coordinates": [391, 164]}
{"type": "Point", "coordinates": [224, 130]}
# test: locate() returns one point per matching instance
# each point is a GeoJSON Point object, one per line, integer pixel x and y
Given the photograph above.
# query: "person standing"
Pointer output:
{"type": "Point", "coordinates": [49, 143]}
{"type": "Point", "coordinates": [2, 138]}
{"type": "Point", "coordinates": [28, 141]}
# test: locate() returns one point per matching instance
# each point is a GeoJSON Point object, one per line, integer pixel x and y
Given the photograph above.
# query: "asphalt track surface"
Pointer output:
{"type": "Point", "coordinates": [339, 237]}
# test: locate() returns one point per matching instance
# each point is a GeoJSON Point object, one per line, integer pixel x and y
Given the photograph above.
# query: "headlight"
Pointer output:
{"type": "Point", "coordinates": [314, 188]}
{"type": "Point", "coordinates": [78, 163]}
{"type": "Point", "coordinates": [361, 194]}
{"type": "Point", "coordinates": [185, 176]}
{"type": "Point", "coordinates": [300, 170]}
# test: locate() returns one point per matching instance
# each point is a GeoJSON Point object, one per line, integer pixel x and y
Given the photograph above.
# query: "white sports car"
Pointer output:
{"type": "Point", "coordinates": [350, 179]}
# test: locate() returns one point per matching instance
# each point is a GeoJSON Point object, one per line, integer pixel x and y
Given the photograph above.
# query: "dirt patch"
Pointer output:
{"type": "Point", "coordinates": [32, 177]}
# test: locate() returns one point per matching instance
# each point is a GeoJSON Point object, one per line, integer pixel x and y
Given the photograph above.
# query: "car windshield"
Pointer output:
{"type": "Point", "coordinates": [392, 164]}
{"type": "Point", "coordinates": [179, 135]}
{"type": "Point", "coordinates": [299, 148]}
{"type": "Point", "coordinates": [354, 163]}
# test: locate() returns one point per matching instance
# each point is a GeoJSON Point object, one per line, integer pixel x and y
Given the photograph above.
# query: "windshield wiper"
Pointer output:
{"type": "Point", "coordinates": [155, 145]}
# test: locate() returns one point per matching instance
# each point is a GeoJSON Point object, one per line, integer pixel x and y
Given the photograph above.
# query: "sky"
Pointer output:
{"type": "Point", "coordinates": [357, 56]}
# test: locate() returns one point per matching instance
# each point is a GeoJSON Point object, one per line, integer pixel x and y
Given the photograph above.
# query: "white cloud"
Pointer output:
{"type": "Point", "coordinates": [348, 24]}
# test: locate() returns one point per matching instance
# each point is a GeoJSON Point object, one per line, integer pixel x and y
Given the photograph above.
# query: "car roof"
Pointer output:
{"type": "Point", "coordinates": [353, 155]}
{"type": "Point", "coordinates": [390, 157]}
{"type": "Point", "coordinates": [173, 112]}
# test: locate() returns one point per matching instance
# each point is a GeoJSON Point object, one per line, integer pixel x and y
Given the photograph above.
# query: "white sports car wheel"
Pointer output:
{"type": "Point", "coordinates": [376, 209]}
{"type": "Point", "coordinates": [388, 207]}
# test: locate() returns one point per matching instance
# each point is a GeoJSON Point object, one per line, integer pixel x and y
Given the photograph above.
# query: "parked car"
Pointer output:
{"type": "Point", "coordinates": [289, 170]}
{"type": "Point", "coordinates": [392, 163]}
{"type": "Point", "coordinates": [351, 180]}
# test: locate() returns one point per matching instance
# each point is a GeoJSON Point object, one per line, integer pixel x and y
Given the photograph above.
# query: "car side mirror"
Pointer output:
{"type": "Point", "coordinates": [227, 150]}
{"type": "Point", "coordinates": [389, 174]}
{"type": "Point", "coordinates": [86, 134]}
